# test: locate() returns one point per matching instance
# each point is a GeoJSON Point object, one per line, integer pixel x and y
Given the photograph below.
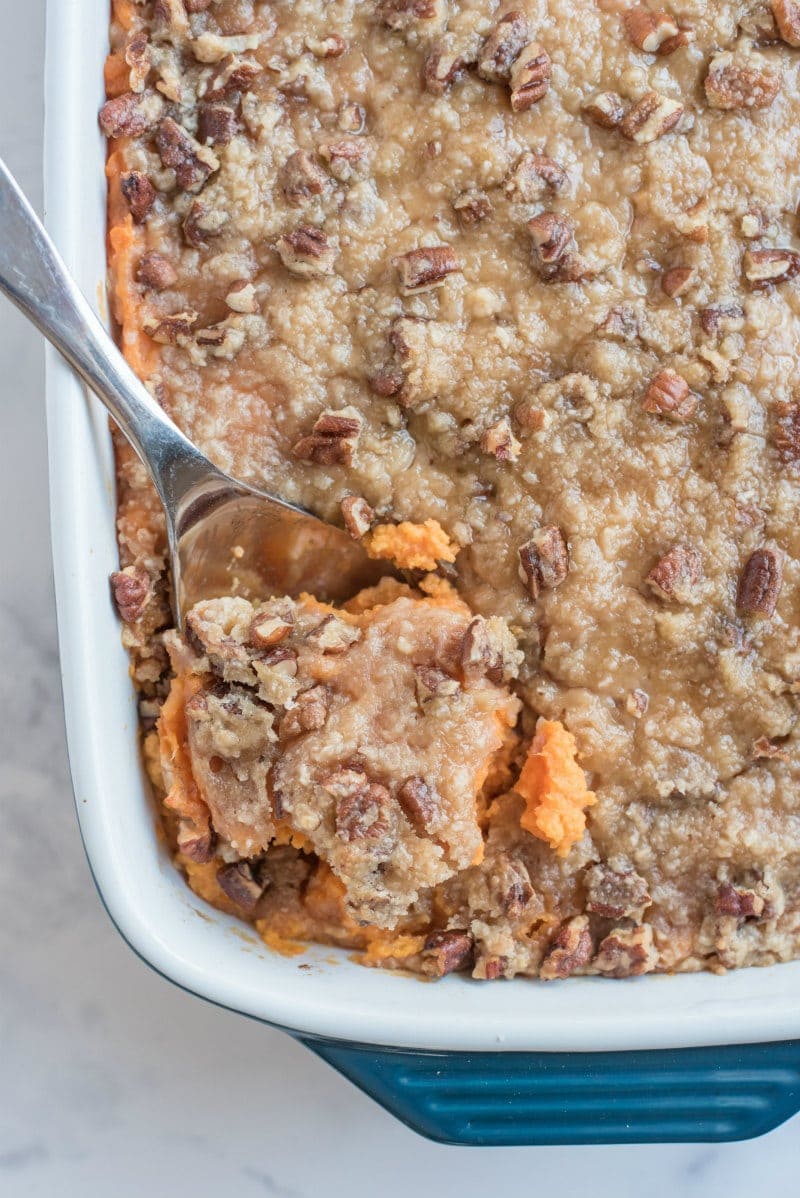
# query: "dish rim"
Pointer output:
{"type": "Point", "coordinates": [323, 993]}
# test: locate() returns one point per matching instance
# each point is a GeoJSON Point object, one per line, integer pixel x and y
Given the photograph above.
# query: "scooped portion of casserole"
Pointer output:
{"type": "Point", "coordinates": [509, 290]}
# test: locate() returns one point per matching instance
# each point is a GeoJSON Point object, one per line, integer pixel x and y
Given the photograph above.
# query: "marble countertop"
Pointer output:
{"type": "Point", "coordinates": [113, 1081]}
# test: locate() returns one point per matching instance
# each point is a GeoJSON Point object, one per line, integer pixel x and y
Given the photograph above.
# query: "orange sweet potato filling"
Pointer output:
{"type": "Point", "coordinates": [411, 546]}
{"type": "Point", "coordinates": [554, 788]}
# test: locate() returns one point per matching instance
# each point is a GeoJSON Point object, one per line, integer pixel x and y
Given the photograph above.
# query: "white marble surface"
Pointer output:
{"type": "Point", "coordinates": [111, 1080]}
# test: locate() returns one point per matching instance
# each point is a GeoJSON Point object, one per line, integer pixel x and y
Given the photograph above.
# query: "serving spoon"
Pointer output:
{"type": "Point", "coordinates": [224, 536]}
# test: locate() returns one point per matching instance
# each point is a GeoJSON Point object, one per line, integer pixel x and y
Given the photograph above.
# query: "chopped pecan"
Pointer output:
{"type": "Point", "coordinates": [170, 16]}
{"type": "Point", "coordinates": [533, 176]}
{"type": "Point", "coordinates": [676, 281]}
{"type": "Point", "coordinates": [216, 124]}
{"type": "Point", "coordinates": [301, 178]}
{"type": "Point", "coordinates": [544, 560]}
{"type": "Point", "coordinates": [447, 952]}
{"type": "Point", "coordinates": [730, 85]}
{"type": "Point", "coordinates": [156, 272]}
{"type": "Point", "coordinates": [649, 30]}
{"type": "Point", "coordinates": [754, 223]}
{"type": "Point", "coordinates": [764, 748]}
{"type": "Point", "coordinates": [503, 45]}
{"type": "Point", "coordinates": [760, 583]}
{"type": "Point", "coordinates": [676, 575]}
{"type": "Point", "coordinates": [223, 339]}
{"type": "Point", "coordinates": [433, 683]}
{"type": "Point", "coordinates": [269, 628]}
{"type": "Point", "coordinates": [132, 590]}
{"type": "Point", "coordinates": [201, 222]}
{"type": "Point", "coordinates": [442, 67]}
{"type": "Point", "coordinates": [472, 206]}
{"type": "Point", "coordinates": [738, 901]}
{"type": "Point", "coordinates": [352, 118]}
{"type": "Point", "coordinates": [241, 885]}
{"type": "Point", "coordinates": [332, 46]}
{"type": "Point", "coordinates": [306, 251]}
{"type": "Point", "coordinates": [669, 395]}
{"type": "Point", "coordinates": [242, 297]}
{"type": "Point", "coordinates": [170, 330]}
{"type": "Point", "coordinates": [230, 77]}
{"type": "Point", "coordinates": [627, 952]}
{"type": "Point", "coordinates": [137, 59]}
{"type": "Point", "coordinates": [637, 703]}
{"type": "Point", "coordinates": [334, 635]}
{"type": "Point", "coordinates": [605, 109]}
{"type": "Point", "coordinates": [530, 77]}
{"type": "Point", "coordinates": [211, 47]}
{"type": "Point", "coordinates": [571, 948]}
{"type": "Point", "coordinates": [651, 117]}
{"type": "Point", "coordinates": [332, 439]}
{"type": "Point", "coordinates": [192, 162]}
{"type": "Point", "coordinates": [720, 319]}
{"type": "Point", "coordinates": [364, 813]}
{"type": "Point", "coordinates": [309, 713]}
{"type": "Point", "coordinates": [684, 37]}
{"type": "Point", "coordinates": [551, 234]}
{"type": "Point", "coordinates": [130, 114]}
{"type": "Point", "coordinates": [343, 156]}
{"type": "Point", "coordinates": [138, 192]}
{"type": "Point", "coordinates": [358, 516]}
{"type": "Point", "coordinates": [786, 432]}
{"type": "Point", "coordinates": [616, 894]}
{"type": "Point", "coordinates": [406, 16]}
{"type": "Point", "coordinates": [763, 268]}
{"type": "Point", "coordinates": [620, 324]}
{"type": "Point", "coordinates": [491, 968]}
{"type": "Point", "coordinates": [387, 382]}
{"type": "Point", "coordinates": [787, 19]}
{"type": "Point", "coordinates": [425, 268]}
{"type": "Point", "coordinates": [514, 885]}
{"type": "Point", "coordinates": [489, 649]}
{"type": "Point", "coordinates": [417, 803]}
{"type": "Point", "coordinates": [195, 843]}
{"type": "Point", "coordinates": [500, 442]}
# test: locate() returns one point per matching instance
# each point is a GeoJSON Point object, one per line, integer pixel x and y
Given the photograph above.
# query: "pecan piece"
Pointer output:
{"type": "Point", "coordinates": [722, 318]}
{"type": "Point", "coordinates": [202, 222]}
{"type": "Point", "coordinates": [241, 885]}
{"type": "Point", "coordinates": [571, 948]}
{"type": "Point", "coordinates": [503, 45]}
{"type": "Point", "coordinates": [229, 78]}
{"type": "Point", "coordinates": [334, 635]}
{"type": "Point", "coordinates": [605, 109]}
{"type": "Point", "coordinates": [676, 575]}
{"type": "Point", "coordinates": [786, 434]}
{"type": "Point", "coordinates": [515, 890]}
{"type": "Point", "coordinates": [533, 176]}
{"type": "Point", "coordinates": [425, 268]}
{"type": "Point", "coordinates": [343, 157]}
{"type": "Point", "coordinates": [242, 297]}
{"type": "Point", "coordinates": [358, 516]}
{"type": "Point", "coordinates": [763, 268]}
{"type": "Point", "coordinates": [216, 124]}
{"type": "Point", "coordinates": [332, 46]}
{"type": "Point", "coordinates": [192, 163]}
{"type": "Point", "coordinates": [132, 590]}
{"type": "Point", "coordinates": [306, 251]}
{"type": "Point", "coordinates": [544, 560]}
{"type": "Point", "coordinates": [649, 30]}
{"type": "Point", "coordinates": [137, 59]}
{"type": "Point", "coordinates": [676, 281]}
{"type": "Point", "coordinates": [500, 442]}
{"type": "Point", "coordinates": [442, 67]}
{"type": "Point", "coordinates": [433, 683]}
{"type": "Point", "coordinates": [760, 583]}
{"type": "Point", "coordinates": [551, 234]}
{"type": "Point", "coordinates": [130, 114]}
{"type": "Point", "coordinates": [301, 178]}
{"type": "Point", "coordinates": [766, 749]}
{"type": "Point", "coordinates": [332, 439]}
{"type": "Point", "coordinates": [489, 649]}
{"type": "Point", "coordinates": [616, 894]}
{"type": "Point", "coordinates": [352, 118]}
{"type": "Point", "coordinates": [417, 803]}
{"type": "Point", "coordinates": [787, 19]}
{"type": "Point", "coordinates": [669, 395]}
{"type": "Point", "coordinates": [738, 902]}
{"type": "Point", "coordinates": [156, 272]}
{"type": "Point", "coordinates": [170, 330]}
{"type": "Point", "coordinates": [447, 952]}
{"type": "Point", "coordinates": [627, 952]}
{"type": "Point", "coordinates": [364, 813]}
{"type": "Point", "coordinates": [269, 628]}
{"type": "Point", "coordinates": [731, 85]}
{"type": "Point", "coordinates": [196, 844]}
{"type": "Point", "coordinates": [530, 77]}
{"type": "Point", "coordinates": [650, 118]}
{"type": "Point", "coordinates": [138, 192]}
{"type": "Point", "coordinates": [472, 206]}
{"type": "Point", "coordinates": [410, 16]}
{"type": "Point", "coordinates": [310, 710]}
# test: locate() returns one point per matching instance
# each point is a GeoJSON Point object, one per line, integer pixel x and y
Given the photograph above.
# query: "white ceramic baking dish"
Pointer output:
{"type": "Point", "coordinates": [197, 947]}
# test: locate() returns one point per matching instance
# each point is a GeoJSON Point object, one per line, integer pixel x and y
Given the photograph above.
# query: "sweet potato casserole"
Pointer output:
{"type": "Point", "coordinates": [511, 292]}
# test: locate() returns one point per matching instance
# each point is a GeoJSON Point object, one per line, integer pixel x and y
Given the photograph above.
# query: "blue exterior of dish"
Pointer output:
{"type": "Point", "coordinates": [492, 1099]}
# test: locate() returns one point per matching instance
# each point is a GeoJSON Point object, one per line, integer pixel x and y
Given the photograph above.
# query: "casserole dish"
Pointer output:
{"type": "Point", "coordinates": [694, 1057]}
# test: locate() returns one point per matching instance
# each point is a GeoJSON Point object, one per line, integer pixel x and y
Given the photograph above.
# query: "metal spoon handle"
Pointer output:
{"type": "Point", "coordinates": [34, 277]}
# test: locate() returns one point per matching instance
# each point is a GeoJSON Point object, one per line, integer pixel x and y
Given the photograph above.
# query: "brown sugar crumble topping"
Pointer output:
{"type": "Point", "coordinates": [509, 292]}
